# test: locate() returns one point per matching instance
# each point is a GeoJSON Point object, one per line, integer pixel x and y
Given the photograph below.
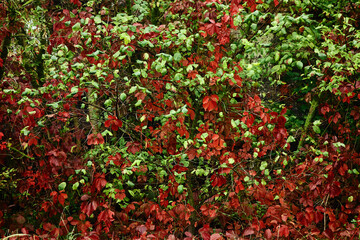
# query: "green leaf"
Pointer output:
{"type": "Point", "coordinates": [263, 165]}
{"type": "Point", "coordinates": [138, 103]}
{"type": "Point", "coordinates": [316, 129]}
{"type": "Point", "coordinates": [180, 189]}
{"type": "Point", "coordinates": [277, 56]}
{"type": "Point", "coordinates": [177, 57]}
{"type": "Point", "coordinates": [95, 84]}
{"type": "Point", "coordinates": [54, 105]}
{"type": "Point", "coordinates": [76, 27]}
{"type": "Point", "coordinates": [108, 103]}
{"type": "Point", "coordinates": [62, 186]}
{"type": "Point", "coordinates": [122, 96]}
{"type": "Point", "coordinates": [74, 90]}
{"type": "Point", "coordinates": [178, 76]}
{"type": "Point", "coordinates": [126, 38]}
{"type": "Point", "coordinates": [26, 92]}
{"type": "Point", "coordinates": [132, 89]}
{"type": "Point", "coordinates": [25, 131]}
{"type": "Point", "coordinates": [130, 184]}
{"type": "Point", "coordinates": [116, 55]}
{"type": "Point", "coordinates": [276, 69]}
{"type": "Point", "coordinates": [290, 139]}
{"type": "Point", "coordinates": [75, 186]}
{"type": "Point", "coordinates": [322, 56]}
{"type": "Point", "coordinates": [285, 162]}
{"type": "Point", "coordinates": [210, 47]}
{"type": "Point", "coordinates": [97, 19]}
{"type": "Point", "coordinates": [299, 64]}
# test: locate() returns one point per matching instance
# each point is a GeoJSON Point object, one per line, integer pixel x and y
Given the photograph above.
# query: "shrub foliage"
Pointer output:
{"type": "Point", "coordinates": [180, 119]}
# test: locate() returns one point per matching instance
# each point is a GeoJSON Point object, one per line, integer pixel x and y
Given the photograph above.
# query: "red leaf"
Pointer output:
{"type": "Point", "coordinates": [291, 186]}
{"type": "Point", "coordinates": [88, 208]}
{"type": "Point", "coordinates": [217, 180]}
{"type": "Point", "coordinates": [328, 234]}
{"type": "Point", "coordinates": [100, 182]}
{"type": "Point", "coordinates": [336, 117]}
{"type": "Point", "coordinates": [45, 206]}
{"type": "Point", "coordinates": [76, 2]}
{"type": "Point", "coordinates": [117, 160]}
{"type": "Point", "coordinates": [141, 229]}
{"type": "Point", "coordinates": [252, 4]}
{"type": "Point", "coordinates": [284, 231]}
{"type": "Point", "coordinates": [239, 186]}
{"type": "Point", "coordinates": [216, 236]}
{"type": "Point", "coordinates": [113, 122]}
{"type": "Point", "coordinates": [32, 141]}
{"type": "Point", "coordinates": [54, 194]}
{"type": "Point", "coordinates": [276, 2]}
{"type": "Point", "coordinates": [85, 197]}
{"type": "Point", "coordinates": [100, 139]}
{"type": "Point", "coordinates": [225, 18]}
{"type": "Point", "coordinates": [268, 234]}
{"type": "Point", "coordinates": [343, 169]}
{"type": "Point", "coordinates": [248, 231]}
{"type": "Point", "coordinates": [324, 109]}
{"type": "Point", "coordinates": [106, 216]}
{"type": "Point", "coordinates": [283, 112]}
{"type": "Point", "coordinates": [257, 99]}
{"type": "Point", "coordinates": [133, 147]}
{"type": "Point", "coordinates": [93, 139]}
{"type": "Point", "coordinates": [357, 84]}
{"type": "Point", "coordinates": [48, 227]}
{"type": "Point", "coordinates": [171, 237]}
{"type": "Point", "coordinates": [61, 197]}
{"type": "Point", "coordinates": [120, 194]}
{"type": "Point", "coordinates": [284, 217]}
{"type": "Point", "coordinates": [210, 102]}
{"type": "Point", "coordinates": [212, 27]}
{"type": "Point", "coordinates": [205, 232]}
{"type": "Point", "coordinates": [281, 121]}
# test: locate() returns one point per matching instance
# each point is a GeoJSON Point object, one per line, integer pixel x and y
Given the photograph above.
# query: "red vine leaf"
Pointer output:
{"type": "Point", "coordinates": [113, 122]}
{"type": "Point", "coordinates": [210, 102]}
{"type": "Point", "coordinates": [93, 139]}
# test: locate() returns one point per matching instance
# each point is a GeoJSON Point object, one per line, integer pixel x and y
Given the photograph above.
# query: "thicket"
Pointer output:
{"type": "Point", "coordinates": [134, 119]}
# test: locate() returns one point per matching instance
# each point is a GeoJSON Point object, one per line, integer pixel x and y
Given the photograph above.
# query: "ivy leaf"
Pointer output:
{"type": "Point", "coordinates": [76, 27]}
{"type": "Point", "coordinates": [97, 19]}
{"type": "Point", "coordinates": [177, 57]}
{"type": "Point", "coordinates": [62, 186]}
{"type": "Point", "coordinates": [122, 96]}
{"type": "Point", "coordinates": [180, 189]}
{"type": "Point", "coordinates": [75, 186]}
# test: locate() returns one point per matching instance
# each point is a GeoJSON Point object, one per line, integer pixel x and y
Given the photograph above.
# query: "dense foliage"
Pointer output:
{"type": "Point", "coordinates": [184, 119]}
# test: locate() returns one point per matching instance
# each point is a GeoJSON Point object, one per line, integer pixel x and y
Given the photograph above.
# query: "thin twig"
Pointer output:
{"type": "Point", "coordinates": [16, 235]}
{"type": "Point", "coordinates": [23, 154]}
